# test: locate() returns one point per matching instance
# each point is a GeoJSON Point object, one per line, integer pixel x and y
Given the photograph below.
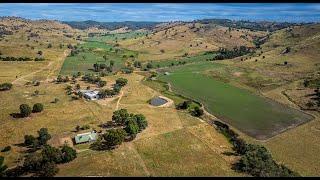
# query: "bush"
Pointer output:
{"type": "Point", "coordinates": [38, 107]}
{"type": "Point", "coordinates": [25, 110]}
{"type": "Point", "coordinates": [5, 86]}
{"type": "Point", "coordinates": [6, 149]}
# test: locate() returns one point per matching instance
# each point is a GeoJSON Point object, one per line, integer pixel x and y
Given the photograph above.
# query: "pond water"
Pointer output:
{"type": "Point", "coordinates": [157, 101]}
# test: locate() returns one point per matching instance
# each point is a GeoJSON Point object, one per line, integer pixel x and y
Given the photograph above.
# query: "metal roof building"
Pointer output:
{"type": "Point", "coordinates": [85, 137]}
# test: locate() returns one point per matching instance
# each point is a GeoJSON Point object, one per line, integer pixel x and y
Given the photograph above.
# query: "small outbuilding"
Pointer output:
{"type": "Point", "coordinates": [90, 94]}
{"type": "Point", "coordinates": [86, 137]}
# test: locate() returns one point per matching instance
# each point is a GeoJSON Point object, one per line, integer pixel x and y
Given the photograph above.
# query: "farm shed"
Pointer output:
{"type": "Point", "coordinates": [85, 137]}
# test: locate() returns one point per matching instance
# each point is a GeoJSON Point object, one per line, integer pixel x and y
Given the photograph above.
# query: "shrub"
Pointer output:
{"type": "Point", "coordinates": [25, 110]}
{"type": "Point", "coordinates": [5, 86]}
{"type": "Point", "coordinates": [38, 107]}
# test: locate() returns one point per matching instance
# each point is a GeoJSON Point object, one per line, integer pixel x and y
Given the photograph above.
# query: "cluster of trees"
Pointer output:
{"type": "Point", "coordinates": [252, 25]}
{"type": "Point", "coordinates": [75, 50]}
{"type": "Point", "coordinates": [255, 160]}
{"type": "Point", "coordinates": [196, 111]}
{"type": "Point", "coordinates": [5, 86]}
{"type": "Point", "coordinates": [120, 82]}
{"type": "Point", "coordinates": [25, 109]}
{"type": "Point", "coordinates": [103, 67]}
{"type": "Point", "coordinates": [229, 54]}
{"type": "Point", "coordinates": [61, 79]}
{"type": "Point", "coordinates": [43, 159]}
{"type": "Point", "coordinates": [94, 79]}
{"type": "Point", "coordinates": [10, 58]}
{"type": "Point", "coordinates": [129, 125]}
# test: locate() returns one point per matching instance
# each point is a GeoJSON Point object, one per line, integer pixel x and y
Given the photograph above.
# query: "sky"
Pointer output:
{"type": "Point", "coordinates": [161, 12]}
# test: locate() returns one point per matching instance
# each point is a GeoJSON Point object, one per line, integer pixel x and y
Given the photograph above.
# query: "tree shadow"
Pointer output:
{"type": "Point", "coordinates": [108, 124]}
{"type": "Point", "coordinates": [16, 115]}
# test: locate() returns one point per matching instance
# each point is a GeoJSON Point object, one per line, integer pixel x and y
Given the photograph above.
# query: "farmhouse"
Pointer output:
{"type": "Point", "coordinates": [90, 94]}
{"type": "Point", "coordinates": [85, 137]}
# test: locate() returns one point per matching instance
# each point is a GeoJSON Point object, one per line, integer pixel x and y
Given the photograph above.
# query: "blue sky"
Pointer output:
{"type": "Point", "coordinates": [111, 12]}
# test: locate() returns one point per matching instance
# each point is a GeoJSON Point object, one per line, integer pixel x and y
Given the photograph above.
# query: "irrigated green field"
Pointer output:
{"type": "Point", "coordinates": [256, 116]}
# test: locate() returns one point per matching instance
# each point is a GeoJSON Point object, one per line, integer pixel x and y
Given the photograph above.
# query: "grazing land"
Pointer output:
{"type": "Point", "coordinates": [268, 95]}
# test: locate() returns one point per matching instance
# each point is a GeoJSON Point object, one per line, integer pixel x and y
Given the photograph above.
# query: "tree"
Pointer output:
{"type": "Point", "coordinates": [25, 110]}
{"type": "Point", "coordinates": [132, 127]}
{"type": "Point", "coordinates": [51, 154]}
{"type": "Point", "coordinates": [111, 63]}
{"type": "Point", "coordinates": [40, 53]}
{"type": "Point", "coordinates": [197, 112]}
{"type": "Point", "coordinates": [78, 86]}
{"type": "Point", "coordinates": [114, 137]}
{"type": "Point", "coordinates": [44, 136]}
{"type": "Point", "coordinates": [120, 116]}
{"type": "Point", "coordinates": [68, 153]}
{"type": "Point", "coordinates": [184, 105]}
{"type": "Point", "coordinates": [141, 121]}
{"type": "Point", "coordinates": [102, 83]}
{"type": "Point", "coordinates": [38, 107]}
{"type": "Point", "coordinates": [137, 64]}
{"type": "Point", "coordinates": [48, 169]}
{"type": "Point", "coordinates": [121, 81]}
{"type": "Point", "coordinates": [149, 66]}
{"type": "Point", "coordinates": [50, 45]}
{"type": "Point", "coordinates": [2, 166]}
{"type": "Point", "coordinates": [29, 140]}
{"type": "Point", "coordinates": [5, 86]}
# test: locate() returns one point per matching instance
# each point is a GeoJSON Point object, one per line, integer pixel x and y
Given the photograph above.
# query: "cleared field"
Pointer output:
{"type": "Point", "coordinates": [111, 38]}
{"type": "Point", "coordinates": [257, 116]}
{"type": "Point", "coordinates": [93, 53]}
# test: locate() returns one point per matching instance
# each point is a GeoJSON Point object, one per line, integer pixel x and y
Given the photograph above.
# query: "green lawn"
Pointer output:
{"type": "Point", "coordinates": [257, 116]}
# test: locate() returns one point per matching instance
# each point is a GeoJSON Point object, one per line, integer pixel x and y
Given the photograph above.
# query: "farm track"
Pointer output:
{"type": "Point", "coordinates": [22, 78]}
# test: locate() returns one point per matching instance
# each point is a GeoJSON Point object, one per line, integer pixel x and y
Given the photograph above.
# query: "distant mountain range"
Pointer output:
{"type": "Point", "coordinates": [134, 25]}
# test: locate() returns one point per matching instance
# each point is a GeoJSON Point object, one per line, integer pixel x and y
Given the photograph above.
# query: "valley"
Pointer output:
{"type": "Point", "coordinates": [260, 82]}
